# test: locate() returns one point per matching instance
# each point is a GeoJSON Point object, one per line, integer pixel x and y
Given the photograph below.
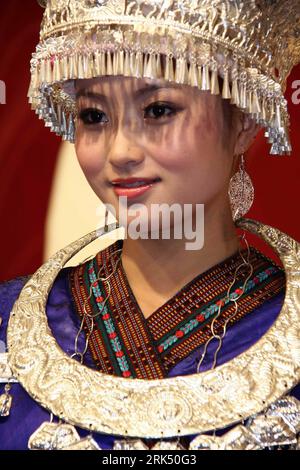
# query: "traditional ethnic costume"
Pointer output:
{"type": "Point", "coordinates": [134, 382]}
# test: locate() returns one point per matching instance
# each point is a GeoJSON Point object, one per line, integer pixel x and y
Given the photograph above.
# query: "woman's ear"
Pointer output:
{"type": "Point", "coordinates": [247, 130]}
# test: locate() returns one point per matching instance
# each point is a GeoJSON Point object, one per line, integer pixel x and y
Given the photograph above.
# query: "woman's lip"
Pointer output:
{"type": "Point", "coordinates": [133, 192]}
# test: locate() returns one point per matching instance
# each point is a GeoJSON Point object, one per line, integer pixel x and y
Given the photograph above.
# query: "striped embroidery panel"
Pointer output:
{"type": "Point", "coordinates": [180, 342]}
{"type": "Point", "coordinates": [120, 343]}
{"type": "Point", "coordinates": [124, 343]}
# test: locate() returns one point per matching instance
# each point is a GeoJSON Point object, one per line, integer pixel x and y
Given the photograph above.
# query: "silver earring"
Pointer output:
{"type": "Point", "coordinates": [240, 191]}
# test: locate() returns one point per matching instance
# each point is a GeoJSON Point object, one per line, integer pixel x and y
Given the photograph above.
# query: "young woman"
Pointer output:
{"type": "Point", "coordinates": [162, 99]}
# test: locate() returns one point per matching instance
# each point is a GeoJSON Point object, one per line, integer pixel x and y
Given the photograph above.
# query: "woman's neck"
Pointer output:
{"type": "Point", "coordinates": [163, 266]}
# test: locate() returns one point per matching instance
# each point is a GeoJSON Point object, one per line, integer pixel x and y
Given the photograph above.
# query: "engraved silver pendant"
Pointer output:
{"type": "Point", "coordinates": [5, 402]}
{"type": "Point", "coordinates": [53, 436]}
{"type": "Point", "coordinates": [5, 371]}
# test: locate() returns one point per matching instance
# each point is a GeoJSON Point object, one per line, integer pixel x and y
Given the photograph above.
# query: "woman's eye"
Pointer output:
{"type": "Point", "coordinates": [92, 116]}
{"type": "Point", "coordinates": [158, 111]}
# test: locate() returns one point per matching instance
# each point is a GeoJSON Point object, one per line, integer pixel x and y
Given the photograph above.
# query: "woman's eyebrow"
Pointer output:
{"type": "Point", "coordinates": [137, 93]}
{"type": "Point", "coordinates": [151, 88]}
{"type": "Point", "coordinates": [90, 94]}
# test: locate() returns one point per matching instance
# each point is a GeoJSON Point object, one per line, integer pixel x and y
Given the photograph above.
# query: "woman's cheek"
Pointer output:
{"type": "Point", "coordinates": [90, 159]}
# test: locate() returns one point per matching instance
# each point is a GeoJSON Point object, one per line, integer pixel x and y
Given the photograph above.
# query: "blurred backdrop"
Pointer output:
{"type": "Point", "coordinates": [45, 202]}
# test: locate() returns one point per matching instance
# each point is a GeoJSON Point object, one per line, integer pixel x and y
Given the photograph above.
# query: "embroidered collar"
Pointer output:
{"type": "Point", "coordinates": [124, 343]}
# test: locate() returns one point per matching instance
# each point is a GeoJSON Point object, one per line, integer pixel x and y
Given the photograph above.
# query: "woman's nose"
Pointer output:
{"type": "Point", "coordinates": [124, 151]}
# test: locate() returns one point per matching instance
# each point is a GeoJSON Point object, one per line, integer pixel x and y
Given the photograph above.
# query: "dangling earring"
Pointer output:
{"type": "Point", "coordinates": [241, 192]}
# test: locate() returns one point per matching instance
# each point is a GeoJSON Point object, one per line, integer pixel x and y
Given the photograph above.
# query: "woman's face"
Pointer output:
{"type": "Point", "coordinates": [147, 128]}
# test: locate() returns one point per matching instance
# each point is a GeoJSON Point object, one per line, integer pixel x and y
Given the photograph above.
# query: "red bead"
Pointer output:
{"type": "Point", "coordinates": [220, 303]}
{"type": "Point", "coordinates": [119, 354]}
{"type": "Point", "coordinates": [99, 299]}
{"type": "Point", "coordinates": [126, 373]}
{"type": "Point", "coordinates": [179, 334]}
{"type": "Point", "coordinates": [256, 280]}
{"type": "Point", "coordinates": [112, 335]}
{"type": "Point", "coordinates": [160, 349]}
{"type": "Point", "coordinates": [95, 283]}
{"type": "Point", "coordinates": [200, 318]}
{"type": "Point", "coordinates": [106, 316]}
{"type": "Point", "coordinates": [239, 291]}
{"type": "Point", "coordinates": [91, 270]}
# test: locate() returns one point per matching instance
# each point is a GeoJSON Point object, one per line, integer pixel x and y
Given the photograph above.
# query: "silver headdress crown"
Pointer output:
{"type": "Point", "coordinates": [251, 44]}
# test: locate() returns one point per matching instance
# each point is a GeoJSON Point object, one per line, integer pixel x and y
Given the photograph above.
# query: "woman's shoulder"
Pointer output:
{"type": "Point", "coordinates": [10, 290]}
{"type": "Point", "coordinates": [12, 287]}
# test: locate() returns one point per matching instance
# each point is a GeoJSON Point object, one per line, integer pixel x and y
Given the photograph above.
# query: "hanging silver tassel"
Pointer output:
{"type": "Point", "coordinates": [85, 62]}
{"type": "Point", "coordinates": [178, 70]}
{"type": "Point", "coordinates": [181, 72]}
{"type": "Point", "coordinates": [153, 66]}
{"type": "Point", "coordinates": [199, 69]}
{"type": "Point", "coordinates": [80, 67]}
{"type": "Point", "coordinates": [33, 85]}
{"type": "Point", "coordinates": [169, 70]}
{"type": "Point", "coordinates": [243, 96]}
{"type": "Point", "coordinates": [150, 65]}
{"type": "Point", "coordinates": [132, 63]}
{"type": "Point", "coordinates": [57, 75]}
{"type": "Point", "coordinates": [235, 95]}
{"type": "Point", "coordinates": [271, 109]}
{"type": "Point", "coordinates": [226, 94]}
{"type": "Point", "coordinates": [65, 68]}
{"type": "Point", "coordinates": [215, 89]}
{"type": "Point", "coordinates": [64, 126]}
{"type": "Point", "coordinates": [114, 62]}
{"type": "Point", "coordinates": [120, 68]}
{"type": "Point", "coordinates": [205, 84]}
{"type": "Point", "coordinates": [278, 122]}
{"type": "Point", "coordinates": [109, 65]}
{"type": "Point", "coordinates": [49, 73]}
{"type": "Point", "coordinates": [71, 128]}
{"type": "Point", "coordinates": [43, 71]}
{"type": "Point", "coordinates": [139, 65]}
{"type": "Point", "coordinates": [193, 78]}
{"type": "Point", "coordinates": [72, 66]}
{"type": "Point", "coordinates": [103, 63]}
{"type": "Point", "coordinates": [90, 66]}
{"type": "Point", "coordinates": [264, 111]}
{"type": "Point", "coordinates": [97, 64]}
{"type": "Point", "coordinates": [256, 108]}
{"type": "Point", "coordinates": [158, 66]}
{"type": "Point", "coordinates": [127, 64]}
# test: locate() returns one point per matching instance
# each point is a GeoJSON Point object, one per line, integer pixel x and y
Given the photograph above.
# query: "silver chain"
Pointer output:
{"type": "Point", "coordinates": [220, 337]}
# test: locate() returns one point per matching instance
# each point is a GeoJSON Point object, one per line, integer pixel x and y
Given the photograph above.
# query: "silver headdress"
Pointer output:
{"type": "Point", "coordinates": [251, 44]}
